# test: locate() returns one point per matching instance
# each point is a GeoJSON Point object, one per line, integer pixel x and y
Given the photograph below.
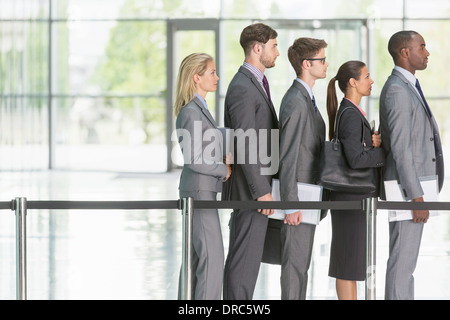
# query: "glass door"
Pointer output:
{"type": "Point", "coordinates": [183, 38]}
{"type": "Point", "coordinates": [346, 41]}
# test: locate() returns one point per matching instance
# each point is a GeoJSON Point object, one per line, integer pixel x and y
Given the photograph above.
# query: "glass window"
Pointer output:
{"type": "Point", "coordinates": [110, 133]}
{"type": "Point", "coordinates": [135, 9]}
{"type": "Point", "coordinates": [308, 10]}
{"type": "Point", "coordinates": [111, 59]}
{"type": "Point", "coordinates": [24, 133]}
{"type": "Point", "coordinates": [120, 57]}
{"type": "Point", "coordinates": [23, 57]}
{"type": "Point", "coordinates": [427, 9]}
{"type": "Point", "coordinates": [23, 90]}
{"type": "Point", "coordinates": [24, 9]}
{"type": "Point", "coordinates": [109, 80]}
{"type": "Point", "coordinates": [434, 78]}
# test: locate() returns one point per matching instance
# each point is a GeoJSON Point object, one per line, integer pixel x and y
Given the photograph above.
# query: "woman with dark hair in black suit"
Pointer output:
{"type": "Point", "coordinates": [348, 243]}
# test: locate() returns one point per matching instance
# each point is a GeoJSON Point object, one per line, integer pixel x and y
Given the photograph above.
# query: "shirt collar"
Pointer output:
{"type": "Point", "coordinates": [307, 87]}
{"type": "Point", "coordinates": [202, 100]}
{"type": "Point", "coordinates": [408, 75]}
{"type": "Point", "coordinates": [360, 110]}
{"type": "Point", "coordinates": [258, 73]}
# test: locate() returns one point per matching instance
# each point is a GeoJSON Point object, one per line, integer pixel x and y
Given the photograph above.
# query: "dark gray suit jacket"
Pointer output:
{"type": "Point", "coordinates": [302, 134]}
{"type": "Point", "coordinates": [350, 134]}
{"type": "Point", "coordinates": [203, 169]}
{"type": "Point", "coordinates": [352, 127]}
{"type": "Point", "coordinates": [409, 135]}
{"type": "Point", "coordinates": [248, 108]}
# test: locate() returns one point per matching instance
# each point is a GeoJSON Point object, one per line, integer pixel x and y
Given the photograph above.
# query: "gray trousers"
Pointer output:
{"type": "Point", "coordinates": [208, 251]}
{"type": "Point", "coordinates": [247, 234]}
{"type": "Point", "coordinates": [404, 243]}
{"type": "Point", "coordinates": [296, 251]}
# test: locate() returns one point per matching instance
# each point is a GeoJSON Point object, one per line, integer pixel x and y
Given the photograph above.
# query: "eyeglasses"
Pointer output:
{"type": "Point", "coordinates": [318, 59]}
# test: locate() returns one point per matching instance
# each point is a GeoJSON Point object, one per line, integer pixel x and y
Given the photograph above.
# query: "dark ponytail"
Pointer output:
{"type": "Point", "coordinates": [332, 106]}
{"type": "Point", "coordinates": [349, 70]}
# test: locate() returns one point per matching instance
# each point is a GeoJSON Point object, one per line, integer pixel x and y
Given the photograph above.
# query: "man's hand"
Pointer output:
{"type": "Point", "coordinates": [420, 215]}
{"type": "Point", "coordinates": [266, 197]}
{"type": "Point", "coordinates": [293, 219]}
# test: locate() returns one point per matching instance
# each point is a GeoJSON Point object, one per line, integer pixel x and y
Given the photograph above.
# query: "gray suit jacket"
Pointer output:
{"type": "Point", "coordinates": [201, 143]}
{"type": "Point", "coordinates": [302, 134]}
{"type": "Point", "coordinates": [408, 136]}
{"type": "Point", "coordinates": [248, 108]}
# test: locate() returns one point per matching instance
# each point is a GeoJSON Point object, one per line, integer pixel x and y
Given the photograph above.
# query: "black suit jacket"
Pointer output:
{"type": "Point", "coordinates": [350, 132]}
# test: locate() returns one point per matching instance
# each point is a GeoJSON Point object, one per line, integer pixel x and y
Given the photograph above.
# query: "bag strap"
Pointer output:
{"type": "Point", "coordinates": [336, 130]}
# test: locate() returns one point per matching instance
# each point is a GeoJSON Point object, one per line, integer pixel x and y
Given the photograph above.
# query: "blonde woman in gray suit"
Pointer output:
{"type": "Point", "coordinates": [204, 170]}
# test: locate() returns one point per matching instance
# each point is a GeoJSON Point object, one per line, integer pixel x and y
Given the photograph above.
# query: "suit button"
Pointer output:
{"type": "Point", "coordinates": [431, 139]}
{"type": "Point", "coordinates": [434, 159]}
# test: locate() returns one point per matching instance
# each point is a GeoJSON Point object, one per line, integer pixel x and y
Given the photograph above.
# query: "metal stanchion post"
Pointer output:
{"type": "Point", "coordinates": [186, 273]}
{"type": "Point", "coordinates": [371, 213]}
{"type": "Point", "coordinates": [21, 248]}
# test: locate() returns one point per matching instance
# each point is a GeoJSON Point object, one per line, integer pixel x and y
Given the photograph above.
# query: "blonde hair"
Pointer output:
{"type": "Point", "coordinates": [194, 63]}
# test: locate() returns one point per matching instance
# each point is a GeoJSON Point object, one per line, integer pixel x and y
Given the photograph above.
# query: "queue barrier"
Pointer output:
{"type": "Point", "coordinates": [186, 205]}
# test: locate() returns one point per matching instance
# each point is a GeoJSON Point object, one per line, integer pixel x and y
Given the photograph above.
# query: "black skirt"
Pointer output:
{"type": "Point", "coordinates": [348, 242]}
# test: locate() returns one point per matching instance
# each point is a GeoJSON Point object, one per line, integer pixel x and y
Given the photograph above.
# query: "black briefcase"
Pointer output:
{"type": "Point", "coordinates": [272, 243]}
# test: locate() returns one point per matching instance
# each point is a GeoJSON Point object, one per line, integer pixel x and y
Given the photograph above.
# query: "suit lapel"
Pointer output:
{"type": "Point", "coordinates": [434, 126]}
{"type": "Point", "coordinates": [317, 115]}
{"type": "Point", "coordinates": [347, 103]}
{"type": "Point", "coordinates": [208, 116]}
{"type": "Point", "coordinates": [305, 93]}
{"type": "Point", "coordinates": [255, 82]}
{"type": "Point", "coordinates": [205, 111]}
{"type": "Point", "coordinates": [411, 88]}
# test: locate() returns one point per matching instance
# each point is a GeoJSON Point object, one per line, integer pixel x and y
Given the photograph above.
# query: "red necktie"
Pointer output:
{"type": "Point", "coordinates": [266, 86]}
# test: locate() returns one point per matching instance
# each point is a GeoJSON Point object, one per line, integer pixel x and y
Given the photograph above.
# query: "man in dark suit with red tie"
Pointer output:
{"type": "Point", "coordinates": [250, 113]}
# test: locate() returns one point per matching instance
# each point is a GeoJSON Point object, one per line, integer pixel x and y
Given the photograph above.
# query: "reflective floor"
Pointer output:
{"type": "Point", "coordinates": [117, 254]}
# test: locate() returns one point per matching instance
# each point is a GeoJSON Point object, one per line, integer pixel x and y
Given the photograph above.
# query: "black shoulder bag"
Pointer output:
{"type": "Point", "coordinates": [335, 173]}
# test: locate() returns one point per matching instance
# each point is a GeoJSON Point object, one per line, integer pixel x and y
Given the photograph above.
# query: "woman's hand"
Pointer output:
{"type": "Point", "coordinates": [376, 139]}
{"type": "Point", "coordinates": [228, 172]}
{"type": "Point", "coordinates": [228, 159]}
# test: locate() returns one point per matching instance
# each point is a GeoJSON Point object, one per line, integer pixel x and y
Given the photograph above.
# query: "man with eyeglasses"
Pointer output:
{"type": "Point", "coordinates": [302, 134]}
